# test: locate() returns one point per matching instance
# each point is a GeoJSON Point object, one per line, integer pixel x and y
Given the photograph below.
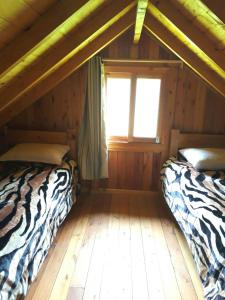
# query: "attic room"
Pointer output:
{"type": "Point", "coordinates": [112, 153]}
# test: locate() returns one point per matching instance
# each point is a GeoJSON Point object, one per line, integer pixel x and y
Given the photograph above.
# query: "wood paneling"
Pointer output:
{"type": "Point", "coordinates": [187, 104]}
{"type": "Point", "coordinates": [133, 170]}
{"type": "Point", "coordinates": [198, 108]}
{"type": "Point", "coordinates": [26, 12]}
{"type": "Point", "coordinates": [214, 114]}
{"type": "Point", "coordinates": [147, 48]}
{"type": "Point", "coordinates": [58, 110]}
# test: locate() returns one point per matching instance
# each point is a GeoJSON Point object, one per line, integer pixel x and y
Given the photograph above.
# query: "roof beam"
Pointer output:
{"type": "Point", "coordinates": [205, 19]}
{"type": "Point", "coordinates": [191, 31]}
{"type": "Point", "coordinates": [27, 40]}
{"type": "Point", "coordinates": [140, 16]}
{"type": "Point", "coordinates": [162, 33]}
{"type": "Point", "coordinates": [64, 49]}
{"type": "Point", "coordinates": [217, 7]}
{"type": "Point", "coordinates": [48, 83]}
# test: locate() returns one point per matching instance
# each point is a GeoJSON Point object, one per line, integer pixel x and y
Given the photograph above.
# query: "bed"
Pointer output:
{"type": "Point", "coordinates": [197, 200]}
{"type": "Point", "coordinates": [35, 198]}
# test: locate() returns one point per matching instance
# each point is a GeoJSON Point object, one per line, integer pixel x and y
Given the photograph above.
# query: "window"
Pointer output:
{"type": "Point", "coordinates": [118, 105]}
{"type": "Point", "coordinates": [146, 107]}
{"type": "Point", "coordinates": [132, 106]}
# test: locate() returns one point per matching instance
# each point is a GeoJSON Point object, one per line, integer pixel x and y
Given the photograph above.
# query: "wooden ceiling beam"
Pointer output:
{"type": "Point", "coordinates": [191, 31]}
{"type": "Point", "coordinates": [166, 37]}
{"type": "Point", "coordinates": [217, 7]}
{"type": "Point", "coordinates": [140, 16]}
{"type": "Point", "coordinates": [205, 19]}
{"type": "Point", "coordinates": [30, 38]}
{"type": "Point", "coordinates": [53, 79]}
{"type": "Point", "coordinates": [64, 49]}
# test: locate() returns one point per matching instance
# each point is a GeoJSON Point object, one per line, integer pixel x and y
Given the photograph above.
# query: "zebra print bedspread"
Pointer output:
{"type": "Point", "coordinates": [197, 200]}
{"type": "Point", "coordinates": [34, 200]}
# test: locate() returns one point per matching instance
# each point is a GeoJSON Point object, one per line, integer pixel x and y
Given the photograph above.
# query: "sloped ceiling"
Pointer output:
{"type": "Point", "coordinates": [43, 42]}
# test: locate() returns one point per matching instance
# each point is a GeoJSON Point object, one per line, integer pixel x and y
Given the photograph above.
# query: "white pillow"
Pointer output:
{"type": "Point", "coordinates": [205, 158]}
{"type": "Point", "coordinates": [35, 152]}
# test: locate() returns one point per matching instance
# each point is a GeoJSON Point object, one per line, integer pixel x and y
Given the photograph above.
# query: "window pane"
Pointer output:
{"type": "Point", "coordinates": [118, 105]}
{"type": "Point", "coordinates": [146, 107]}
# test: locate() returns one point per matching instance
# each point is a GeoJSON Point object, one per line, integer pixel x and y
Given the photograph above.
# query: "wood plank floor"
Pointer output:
{"type": "Point", "coordinates": [118, 246]}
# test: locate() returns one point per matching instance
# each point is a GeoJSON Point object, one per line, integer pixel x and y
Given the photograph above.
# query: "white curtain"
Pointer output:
{"type": "Point", "coordinates": [92, 147]}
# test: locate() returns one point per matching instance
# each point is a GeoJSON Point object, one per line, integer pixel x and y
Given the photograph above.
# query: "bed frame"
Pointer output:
{"type": "Point", "coordinates": [15, 136]}
{"type": "Point", "coordinates": [197, 140]}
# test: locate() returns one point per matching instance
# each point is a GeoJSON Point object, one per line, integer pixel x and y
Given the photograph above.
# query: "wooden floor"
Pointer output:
{"type": "Point", "coordinates": [118, 246]}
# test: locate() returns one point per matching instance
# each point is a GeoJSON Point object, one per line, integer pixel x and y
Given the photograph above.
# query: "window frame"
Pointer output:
{"type": "Point", "coordinates": [134, 72]}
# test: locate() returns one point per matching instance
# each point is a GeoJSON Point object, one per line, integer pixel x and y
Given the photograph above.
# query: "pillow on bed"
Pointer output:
{"type": "Point", "coordinates": [34, 152]}
{"type": "Point", "coordinates": [205, 158]}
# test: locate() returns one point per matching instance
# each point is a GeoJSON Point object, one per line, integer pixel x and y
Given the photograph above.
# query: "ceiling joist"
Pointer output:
{"type": "Point", "coordinates": [24, 43]}
{"type": "Point", "coordinates": [64, 49]}
{"type": "Point", "coordinates": [192, 32]}
{"type": "Point", "coordinates": [162, 33]}
{"type": "Point", "coordinates": [46, 84]}
{"type": "Point", "coordinates": [203, 18]}
{"type": "Point", "coordinates": [217, 7]}
{"type": "Point", "coordinates": [140, 16]}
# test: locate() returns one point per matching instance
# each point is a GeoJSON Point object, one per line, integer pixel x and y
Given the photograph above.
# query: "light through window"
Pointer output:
{"type": "Point", "coordinates": [118, 106]}
{"type": "Point", "coordinates": [146, 107]}
{"type": "Point", "coordinates": [132, 106]}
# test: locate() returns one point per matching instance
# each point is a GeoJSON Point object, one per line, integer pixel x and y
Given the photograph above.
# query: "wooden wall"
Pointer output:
{"type": "Point", "coordinates": [188, 104]}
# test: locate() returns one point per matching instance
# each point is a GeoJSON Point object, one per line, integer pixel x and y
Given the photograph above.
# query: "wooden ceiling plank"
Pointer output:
{"type": "Point", "coordinates": [14, 9]}
{"type": "Point", "coordinates": [217, 7]}
{"type": "Point", "coordinates": [191, 59]}
{"type": "Point", "coordinates": [51, 40]}
{"type": "Point", "coordinates": [28, 39]}
{"type": "Point", "coordinates": [45, 85]}
{"type": "Point", "coordinates": [19, 15]}
{"type": "Point", "coordinates": [140, 16]}
{"type": "Point", "coordinates": [40, 6]}
{"type": "Point", "coordinates": [6, 31]}
{"type": "Point", "coordinates": [78, 39]}
{"type": "Point", "coordinates": [191, 31]}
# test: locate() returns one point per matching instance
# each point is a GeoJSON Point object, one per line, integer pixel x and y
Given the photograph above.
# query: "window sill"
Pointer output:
{"type": "Point", "coordinates": [127, 140]}
{"type": "Point", "coordinates": [134, 146]}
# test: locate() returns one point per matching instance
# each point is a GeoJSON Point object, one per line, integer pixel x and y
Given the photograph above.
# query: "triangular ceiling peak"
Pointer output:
{"type": "Point", "coordinates": [70, 32]}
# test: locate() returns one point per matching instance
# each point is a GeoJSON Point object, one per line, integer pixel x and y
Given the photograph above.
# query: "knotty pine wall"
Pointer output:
{"type": "Point", "coordinates": [188, 104]}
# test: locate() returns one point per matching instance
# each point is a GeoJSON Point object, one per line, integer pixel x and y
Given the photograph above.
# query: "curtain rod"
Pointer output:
{"type": "Point", "coordinates": [142, 61]}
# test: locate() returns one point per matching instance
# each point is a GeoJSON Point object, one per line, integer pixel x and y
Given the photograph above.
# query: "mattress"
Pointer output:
{"type": "Point", "coordinates": [34, 201]}
{"type": "Point", "coordinates": [197, 200]}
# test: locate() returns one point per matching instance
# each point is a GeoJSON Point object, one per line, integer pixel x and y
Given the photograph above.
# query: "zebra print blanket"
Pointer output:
{"type": "Point", "coordinates": [34, 200]}
{"type": "Point", "coordinates": [197, 200]}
